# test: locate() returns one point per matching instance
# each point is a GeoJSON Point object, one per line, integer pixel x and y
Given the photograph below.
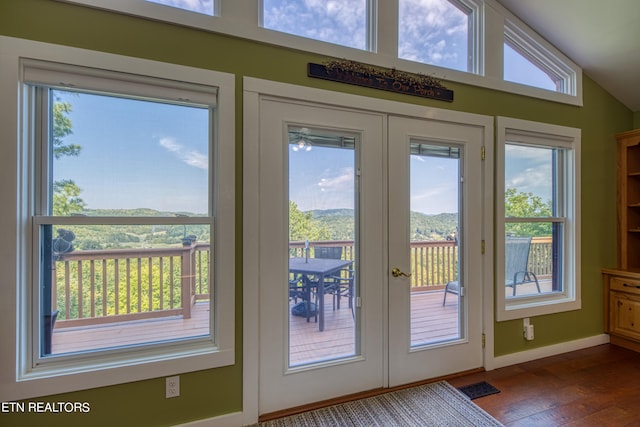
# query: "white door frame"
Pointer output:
{"type": "Point", "coordinates": [253, 90]}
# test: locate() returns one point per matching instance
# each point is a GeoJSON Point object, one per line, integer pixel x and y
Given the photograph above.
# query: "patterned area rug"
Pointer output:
{"type": "Point", "coordinates": [435, 404]}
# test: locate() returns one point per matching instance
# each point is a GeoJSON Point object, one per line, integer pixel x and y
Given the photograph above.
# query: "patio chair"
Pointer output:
{"type": "Point", "coordinates": [516, 263]}
{"type": "Point", "coordinates": [338, 285]}
{"type": "Point", "coordinates": [450, 288]}
{"type": "Point", "coordinates": [303, 289]}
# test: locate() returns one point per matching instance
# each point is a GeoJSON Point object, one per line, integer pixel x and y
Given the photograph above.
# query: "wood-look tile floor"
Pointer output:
{"type": "Point", "coordinates": [597, 386]}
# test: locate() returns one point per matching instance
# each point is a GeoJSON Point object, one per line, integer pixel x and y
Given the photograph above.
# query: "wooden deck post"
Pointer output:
{"type": "Point", "coordinates": [187, 278]}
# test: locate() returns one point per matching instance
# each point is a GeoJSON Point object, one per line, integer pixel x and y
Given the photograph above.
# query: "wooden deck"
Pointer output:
{"type": "Point", "coordinates": [81, 338]}
{"type": "Point", "coordinates": [431, 322]}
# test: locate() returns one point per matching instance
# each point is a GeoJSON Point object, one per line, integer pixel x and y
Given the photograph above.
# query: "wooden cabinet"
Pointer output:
{"type": "Point", "coordinates": [622, 307]}
{"type": "Point", "coordinates": [622, 285]}
{"type": "Point", "coordinates": [629, 200]}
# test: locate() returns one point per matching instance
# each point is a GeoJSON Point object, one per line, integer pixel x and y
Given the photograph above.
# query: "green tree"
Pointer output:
{"type": "Point", "coordinates": [526, 205]}
{"type": "Point", "coordinates": [66, 200]}
{"type": "Point", "coordinates": [302, 226]}
{"type": "Point", "coordinates": [62, 127]}
{"type": "Point", "coordinates": [66, 193]}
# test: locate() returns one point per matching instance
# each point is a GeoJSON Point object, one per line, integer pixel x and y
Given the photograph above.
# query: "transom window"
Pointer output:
{"type": "Point", "coordinates": [474, 42]}
{"type": "Point", "coordinates": [206, 7]}
{"type": "Point", "coordinates": [437, 32]}
{"type": "Point", "coordinates": [341, 22]}
{"type": "Point", "coordinates": [527, 62]}
{"type": "Point", "coordinates": [519, 69]}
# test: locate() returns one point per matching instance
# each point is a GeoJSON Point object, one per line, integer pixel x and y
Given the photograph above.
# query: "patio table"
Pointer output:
{"type": "Point", "coordinates": [321, 268]}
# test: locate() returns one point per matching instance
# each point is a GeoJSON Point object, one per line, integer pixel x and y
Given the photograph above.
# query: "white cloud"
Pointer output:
{"type": "Point", "coordinates": [335, 21]}
{"type": "Point", "coordinates": [433, 32]}
{"type": "Point", "coordinates": [190, 157]}
{"type": "Point", "coordinates": [338, 183]}
{"type": "Point", "coordinates": [529, 170]}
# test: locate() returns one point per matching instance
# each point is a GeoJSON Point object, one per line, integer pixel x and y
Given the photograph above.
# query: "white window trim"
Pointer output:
{"type": "Point", "coordinates": [17, 379]}
{"type": "Point", "coordinates": [242, 18]}
{"type": "Point", "coordinates": [549, 136]}
{"type": "Point", "coordinates": [541, 57]}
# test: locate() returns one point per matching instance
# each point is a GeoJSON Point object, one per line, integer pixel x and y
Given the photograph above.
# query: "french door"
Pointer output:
{"type": "Point", "coordinates": [436, 323]}
{"type": "Point", "coordinates": [344, 196]}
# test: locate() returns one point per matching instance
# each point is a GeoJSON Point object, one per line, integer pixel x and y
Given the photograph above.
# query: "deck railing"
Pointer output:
{"type": "Point", "coordinates": [101, 286]}
{"type": "Point", "coordinates": [434, 263]}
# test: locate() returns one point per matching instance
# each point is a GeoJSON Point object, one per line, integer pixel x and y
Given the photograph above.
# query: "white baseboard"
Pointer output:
{"type": "Point", "coordinates": [233, 419]}
{"type": "Point", "coordinates": [551, 350]}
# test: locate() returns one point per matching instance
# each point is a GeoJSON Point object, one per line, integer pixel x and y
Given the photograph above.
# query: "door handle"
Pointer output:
{"type": "Point", "coordinates": [397, 273]}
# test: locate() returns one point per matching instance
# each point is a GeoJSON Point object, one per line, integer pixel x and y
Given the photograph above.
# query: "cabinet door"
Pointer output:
{"type": "Point", "coordinates": [624, 316]}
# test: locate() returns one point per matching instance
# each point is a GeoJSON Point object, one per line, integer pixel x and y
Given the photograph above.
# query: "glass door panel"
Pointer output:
{"type": "Point", "coordinates": [322, 245]}
{"type": "Point", "coordinates": [434, 242]}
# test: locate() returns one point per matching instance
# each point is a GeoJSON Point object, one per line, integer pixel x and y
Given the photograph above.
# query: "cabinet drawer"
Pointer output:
{"type": "Point", "coordinates": [625, 285]}
{"type": "Point", "coordinates": [624, 315]}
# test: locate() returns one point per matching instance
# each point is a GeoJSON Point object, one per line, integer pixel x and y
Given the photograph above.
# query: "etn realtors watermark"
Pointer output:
{"type": "Point", "coordinates": [45, 407]}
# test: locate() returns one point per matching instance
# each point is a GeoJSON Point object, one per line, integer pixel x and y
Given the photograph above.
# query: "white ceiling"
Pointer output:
{"type": "Point", "coordinates": [601, 36]}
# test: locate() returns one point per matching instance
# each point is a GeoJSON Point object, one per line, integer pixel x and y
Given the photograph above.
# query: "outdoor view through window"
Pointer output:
{"type": "Point", "coordinates": [124, 222]}
{"type": "Point", "coordinates": [534, 220]}
{"type": "Point", "coordinates": [324, 280]}
{"type": "Point", "coordinates": [434, 32]}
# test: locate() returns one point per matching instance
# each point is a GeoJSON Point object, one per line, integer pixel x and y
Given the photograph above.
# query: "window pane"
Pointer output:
{"type": "Point", "coordinates": [106, 286]}
{"type": "Point", "coordinates": [533, 258]}
{"type": "Point", "coordinates": [200, 6]}
{"type": "Point", "coordinates": [530, 177]}
{"type": "Point", "coordinates": [519, 69]}
{"type": "Point", "coordinates": [322, 246]}
{"type": "Point", "coordinates": [114, 156]}
{"type": "Point", "coordinates": [434, 32]}
{"type": "Point", "coordinates": [341, 22]}
{"type": "Point", "coordinates": [435, 195]}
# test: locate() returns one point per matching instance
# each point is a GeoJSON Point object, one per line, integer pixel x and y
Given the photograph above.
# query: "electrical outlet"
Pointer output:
{"type": "Point", "coordinates": [173, 386]}
{"type": "Point", "coordinates": [527, 330]}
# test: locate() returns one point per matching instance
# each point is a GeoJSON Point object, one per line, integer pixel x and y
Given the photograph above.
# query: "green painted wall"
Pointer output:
{"type": "Point", "coordinates": [218, 391]}
{"type": "Point", "coordinates": [636, 120]}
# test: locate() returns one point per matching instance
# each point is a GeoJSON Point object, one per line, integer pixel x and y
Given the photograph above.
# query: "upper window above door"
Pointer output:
{"type": "Point", "coordinates": [467, 41]}
{"type": "Point", "coordinates": [341, 22]}
{"type": "Point", "coordinates": [527, 62]}
{"type": "Point", "coordinates": [205, 7]}
{"type": "Point", "coordinates": [438, 32]}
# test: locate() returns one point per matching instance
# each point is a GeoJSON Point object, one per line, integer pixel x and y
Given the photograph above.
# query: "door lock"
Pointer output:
{"type": "Point", "coordinates": [397, 273]}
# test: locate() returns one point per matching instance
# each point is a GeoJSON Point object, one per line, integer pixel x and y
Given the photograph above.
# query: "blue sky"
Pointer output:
{"type": "Point", "coordinates": [200, 6]}
{"type": "Point", "coordinates": [529, 170]}
{"type": "Point", "coordinates": [137, 154]}
{"type": "Point", "coordinates": [430, 31]}
{"type": "Point", "coordinates": [323, 178]}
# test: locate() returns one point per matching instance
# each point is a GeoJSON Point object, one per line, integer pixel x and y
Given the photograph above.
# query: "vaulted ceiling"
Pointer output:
{"type": "Point", "coordinates": [601, 36]}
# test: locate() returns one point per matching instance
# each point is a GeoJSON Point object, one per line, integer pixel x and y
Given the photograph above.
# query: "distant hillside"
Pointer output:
{"type": "Point", "coordinates": [442, 226]}
{"type": "Point", "coordinates": [340, 222]}
{"type": "Point", "coordinates": [135, 212]}
{"type": "Point", "coordinates": [135, 236]}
